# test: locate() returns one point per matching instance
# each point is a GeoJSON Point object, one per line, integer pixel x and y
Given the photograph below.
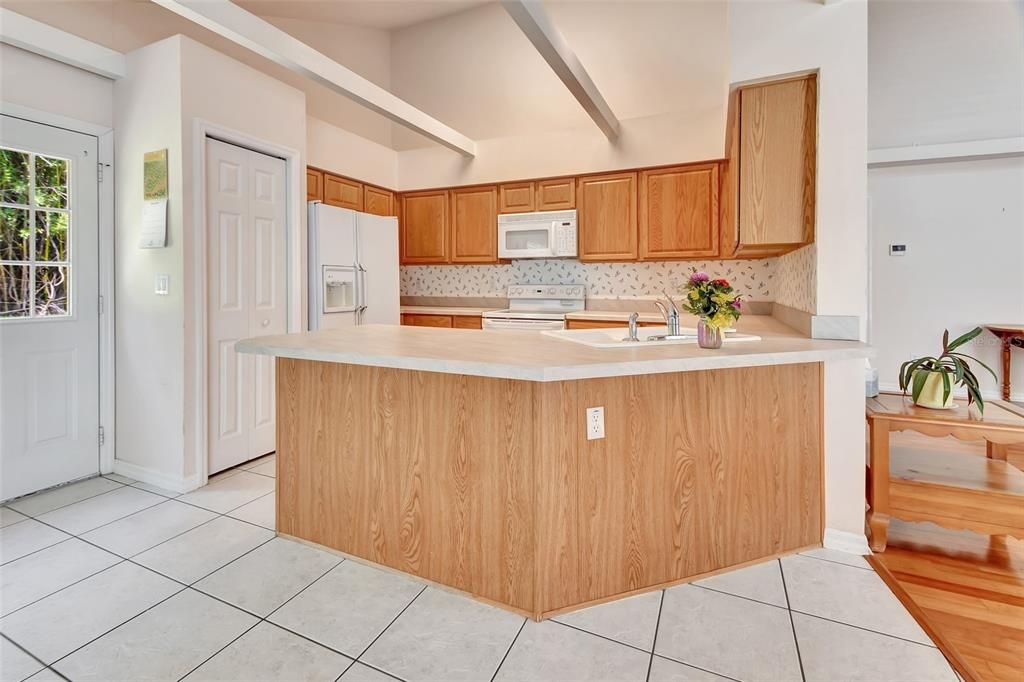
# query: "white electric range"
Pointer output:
{"type": "Point", "coordinates": [537, 307]}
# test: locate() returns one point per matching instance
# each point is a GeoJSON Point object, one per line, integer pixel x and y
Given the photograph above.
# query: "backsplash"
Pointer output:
{"type": "Point", "coordinates": [754, 279]}
{"type": "Point", "coordinates": [796, 279]}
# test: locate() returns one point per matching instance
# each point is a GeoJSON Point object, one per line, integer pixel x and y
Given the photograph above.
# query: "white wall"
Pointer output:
{"type": "Point", "coordinates": [40, 83]}
{"type": "Point", "coordinates": [347, 153]}
{"type": "Point", "coordinates": [661, 66]}
{"type": "Point", "coordinates": [945, 71]}
{"type": "Point", "coordinates": [780, 36]}
{"type": "Point", "coordinates": [229, 94]}
{"type": "Point", "coordinates": [150, 358]}
{"type": "Point", "coordinates": [963, 224]}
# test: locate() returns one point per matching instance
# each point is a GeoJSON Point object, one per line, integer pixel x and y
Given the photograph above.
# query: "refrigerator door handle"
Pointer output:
{"type": "Point", "coordinates": [361, 295]}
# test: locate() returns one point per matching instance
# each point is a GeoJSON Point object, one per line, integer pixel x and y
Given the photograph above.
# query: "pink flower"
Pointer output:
{"type": "Point", "coordinates": [699, 277]}
{"type": "Point", "coordinates": [737, 304]}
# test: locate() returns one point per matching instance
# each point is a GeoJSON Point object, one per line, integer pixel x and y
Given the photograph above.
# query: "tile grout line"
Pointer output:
{"type": "Point", "coordinates": [509, 649]}
{"type": "Point", "coordinates": [792, 623]}
{"type": "Point", "coordinates": [837, 563]}
{"type": "Point", "coordinates": [654, 642]}
{"type": "Point", "coordinates": [208, 658]}
{"type": "Point", "coordinates": [44, 492]}
{"type": "Point", "coordinates": [381, 633]}
{"type": "Point", "coordinates": [696, 667]}
{"type": "Point", "coordinates": [864, 629]}
{"type": "Point", "coordinates": [738, 596]}
{"type": "Point", "coordinates": [600, 636]}
{"type": "Point", "coordinates": [26, 652]}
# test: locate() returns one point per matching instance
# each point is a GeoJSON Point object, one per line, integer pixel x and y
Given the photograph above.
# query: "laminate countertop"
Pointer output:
{"type": "Point", "coordinates": [532, 356]}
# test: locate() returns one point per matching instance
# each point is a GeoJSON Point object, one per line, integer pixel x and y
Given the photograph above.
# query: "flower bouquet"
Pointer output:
{"type": "Point", "coordinates": [715, 304]}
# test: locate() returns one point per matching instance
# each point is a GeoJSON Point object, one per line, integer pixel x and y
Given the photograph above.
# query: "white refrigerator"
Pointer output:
{"type": "Point", "coordinates": [353, 268]}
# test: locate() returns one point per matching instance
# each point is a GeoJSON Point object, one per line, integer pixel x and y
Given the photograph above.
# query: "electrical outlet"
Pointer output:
{"type": "Point", "coordinates": [595, 423]}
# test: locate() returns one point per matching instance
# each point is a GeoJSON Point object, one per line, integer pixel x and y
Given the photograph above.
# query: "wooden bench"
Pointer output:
{"type": "Point", "coordinates": [953, 490]}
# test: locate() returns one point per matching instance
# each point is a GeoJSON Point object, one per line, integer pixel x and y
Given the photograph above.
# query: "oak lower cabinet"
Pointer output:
{"type": "Point", "coordinates": [314, 185]}
{"type": "Point", "coordinates": [423, 227]}
{"type": "Point", "coordinates": [605, 324]}
{"type": "Point", "coordinates": [607, 217]}
{"type": "Point", "coordinates": [768, 190]}
{"type": "Point", "coordinates": [474, 225]}
{"type": "Point", "coordinates": [426, 320]}
{"type": "Point", "coordinates": [342, 192]}
{"type": "Point", "coordinates": [378, 201]}
{"type": "Point", "coordinates": [679, 212]}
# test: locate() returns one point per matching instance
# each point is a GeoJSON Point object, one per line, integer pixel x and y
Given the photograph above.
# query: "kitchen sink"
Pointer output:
{"type": "Point", "coordinates": [616, 337]}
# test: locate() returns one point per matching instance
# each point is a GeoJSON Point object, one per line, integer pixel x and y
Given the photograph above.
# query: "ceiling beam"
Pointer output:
{"type": "Point", "coordinates": [236, 24]}
{"type": "Point", "coordinates": [42, 39]}
{"type": "Point", "coordinates": [534, 21]}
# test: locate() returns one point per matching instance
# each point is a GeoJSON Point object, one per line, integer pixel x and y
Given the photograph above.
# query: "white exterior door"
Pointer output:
{"type": "Point", "coordinates": [246, 296]}
{"type": "Point", "coordinates": [49, 307]}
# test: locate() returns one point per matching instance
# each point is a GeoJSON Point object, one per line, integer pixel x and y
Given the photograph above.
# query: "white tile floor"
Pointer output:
{"type": "Point", "coordinates": [114, 580]}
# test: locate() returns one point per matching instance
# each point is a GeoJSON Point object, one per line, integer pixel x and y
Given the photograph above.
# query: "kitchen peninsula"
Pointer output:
{"type": "Point", "coordinates": [462, 457]}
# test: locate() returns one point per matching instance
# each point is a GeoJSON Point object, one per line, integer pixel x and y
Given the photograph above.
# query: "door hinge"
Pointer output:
{"type": "Point", "coordinates": [101, 305]}
{"type": "Point", "coordinates": [103, 436]}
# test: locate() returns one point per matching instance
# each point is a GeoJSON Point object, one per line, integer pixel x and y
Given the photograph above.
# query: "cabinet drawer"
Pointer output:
{"type": "Point", "coordinates": [467, 322]}
{"type": "Point", "coordinates": [419, 320]}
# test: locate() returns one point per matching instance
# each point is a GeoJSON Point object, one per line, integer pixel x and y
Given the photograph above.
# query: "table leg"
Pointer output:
{"type": "Point", "coordinates": [996, 450]}
{"type": "Point", "coordinates": [878, 517]}
{"type": "Point", "coordinates": [1007, 344]}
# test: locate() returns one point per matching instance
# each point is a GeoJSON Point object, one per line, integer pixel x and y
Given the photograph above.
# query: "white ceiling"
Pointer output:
{"type": "Point", "coordinates": [386, 15]}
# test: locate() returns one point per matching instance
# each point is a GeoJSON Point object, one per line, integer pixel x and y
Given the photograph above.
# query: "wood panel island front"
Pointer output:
{"type": "Point", "coordinates": [461, 457]}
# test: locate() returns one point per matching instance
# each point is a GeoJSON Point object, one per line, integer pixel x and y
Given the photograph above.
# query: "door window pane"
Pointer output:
{"type": "Point", "coordinates": [15, 291]}
{"type": "Point", "coordinates": [14, 177]}
{"type": "Point", "coordinates": [51, 290]}
{"type": "Point", "coordinates": [35, 243]}
{"type": "Point", "coordinates": [51, 236]}
{"type": "Point", "coordinates": [15, 236]}
{"type": "Point", "coordinates": [51, 182]}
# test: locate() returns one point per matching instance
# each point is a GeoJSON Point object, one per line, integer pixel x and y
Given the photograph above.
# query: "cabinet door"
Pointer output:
{"type": "Point", "coordinates": [607, 217]}
{"type": "Point", "coordinates": [378, 201]}
{"type": "Point", "coordinates": [424, 227]}
{"type": "Point", "coordinates": [342, 192]}
{"type": "Point", "coordinates": [516, 197]}
{"type": "Point", "coordinates": [777, 163]}
{"type": "Point", "coordinates": [474, 225]}
{"type": "Point", "coordinates": [558, 194]}
{"type": "Point", "coordinates": [679, 212]}
{"type": "Point", "coordinates": [314, 185]}
{"type": "Point", "coordinates": [418, 320]}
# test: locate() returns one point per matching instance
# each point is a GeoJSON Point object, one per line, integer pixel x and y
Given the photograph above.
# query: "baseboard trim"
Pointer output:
{"type": "Point", "coordinates": [176, 484]}
{"type": "Point", "coordinates": [845, 541]}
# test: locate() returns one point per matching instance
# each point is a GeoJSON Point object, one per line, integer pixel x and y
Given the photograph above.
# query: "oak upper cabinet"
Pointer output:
{"type": "Point", "coordinates": [342, 192]}
{"type": "Point", "coordinates": [607, 217]}
{"type": "Point", "coordinates": [314, 184]}
{"type": "Point", "coordinates": [771, 169]}
{"type": "Point", "coordinates": [679, 212]}
{"type": "Point", "coordinates": [378, 201]}
{"type": "Point", "coordinates": [516, 197]}
{"type": "Point", "coordinates": [424, 227]}
{"type": "Point", "coordinates": [474, 225]}
{"type": "Point", "coordinates": [556, 194]}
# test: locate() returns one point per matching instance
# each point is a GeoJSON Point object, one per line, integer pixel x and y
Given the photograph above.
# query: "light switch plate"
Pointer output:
{"type": "Point", "coordinates": [595, 423]}
{"type": "Point", "coordinates": [162, 285]}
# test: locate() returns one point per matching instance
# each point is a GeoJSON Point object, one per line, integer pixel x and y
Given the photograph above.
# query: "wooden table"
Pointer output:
{"type": "Point", "coordinates": [1010, 335]}
{"type": "Point", "coordinates": [985, 496]}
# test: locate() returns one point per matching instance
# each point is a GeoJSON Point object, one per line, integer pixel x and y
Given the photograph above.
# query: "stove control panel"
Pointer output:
{"type": "Point", "coordinates": [548, 291]}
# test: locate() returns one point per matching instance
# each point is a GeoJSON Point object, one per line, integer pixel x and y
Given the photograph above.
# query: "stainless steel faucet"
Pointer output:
{"type": "Point", "coordinates": [671, 314]}
{"type": "Point", "coordinates": [633, 327]}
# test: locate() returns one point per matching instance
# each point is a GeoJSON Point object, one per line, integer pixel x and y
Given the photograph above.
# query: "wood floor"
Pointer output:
{"type": "Point", "coordinates": [968, 588]}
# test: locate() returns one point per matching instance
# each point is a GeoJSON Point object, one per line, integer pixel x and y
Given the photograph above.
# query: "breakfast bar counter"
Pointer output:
{"type": "Point", "coordinates": [467, 458]}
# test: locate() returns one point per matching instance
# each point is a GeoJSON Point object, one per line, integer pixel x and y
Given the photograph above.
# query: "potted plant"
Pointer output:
{"type": "Point", "coordinates": [714, 303]}
{"type": "Point", "coordinates": [930, 380]}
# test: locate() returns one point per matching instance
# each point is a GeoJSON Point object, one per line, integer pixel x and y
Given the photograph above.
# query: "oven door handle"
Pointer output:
{"type": "Point", "coordinates": [516, 324]}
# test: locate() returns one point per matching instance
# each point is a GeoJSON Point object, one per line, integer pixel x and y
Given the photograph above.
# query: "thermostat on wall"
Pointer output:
{"type": "Point", "coordinates": [897, 249]}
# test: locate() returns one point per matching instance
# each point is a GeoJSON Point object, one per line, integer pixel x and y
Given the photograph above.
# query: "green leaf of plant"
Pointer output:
{"type": "Point", "coordinates": [946, 388]}
{"type": "Point", "coordinates": [961, 340]}
{"type": "Point", "coordinates": [919, 380]}
{"type": "Point", "coordinates": [971, 357]}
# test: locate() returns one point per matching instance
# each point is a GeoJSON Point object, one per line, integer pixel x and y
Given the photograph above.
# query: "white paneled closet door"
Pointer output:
{"type": "Point", "coordinates": [246, 286]}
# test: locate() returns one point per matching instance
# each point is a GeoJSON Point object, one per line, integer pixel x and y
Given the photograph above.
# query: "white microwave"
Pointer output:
{"type": "Point", "coordinates": [545, 234]}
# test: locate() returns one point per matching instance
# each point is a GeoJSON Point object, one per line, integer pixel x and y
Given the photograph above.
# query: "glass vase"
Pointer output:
{"type": "Point", "coordinates": [708, 336]}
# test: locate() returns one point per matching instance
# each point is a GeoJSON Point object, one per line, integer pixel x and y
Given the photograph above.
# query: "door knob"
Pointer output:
{"type": "Point", "coordinates": [266, 323]}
